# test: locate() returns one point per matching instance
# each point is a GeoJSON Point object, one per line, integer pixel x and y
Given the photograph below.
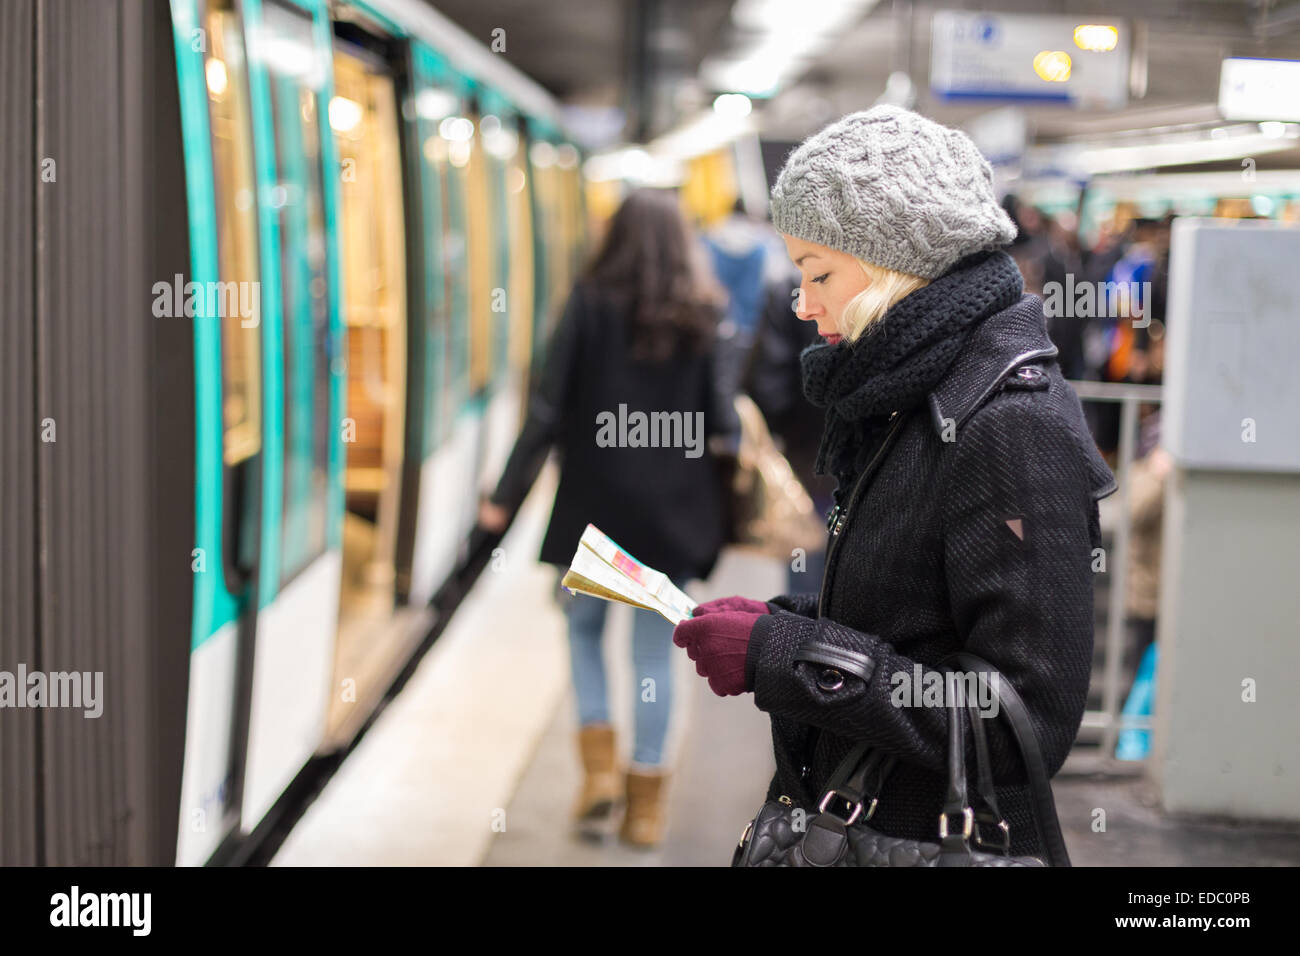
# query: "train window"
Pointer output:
{"type": "Point", "coordinates": [226, 69]}
{"type": "Point", "coordinates": [519, 202]}
{"type": "Point", "coordinates": [450, 150]}
{"type": "Point", "coordinates": [481, 270]}
{"type": "Point", "coordinates": [363, 116]}
{"type": "Point", "coordinates": [433, 105]}
{"type": "Point", "coordinates": [296, 77]}
{"type": "Point", "coordinates": [566, 161]}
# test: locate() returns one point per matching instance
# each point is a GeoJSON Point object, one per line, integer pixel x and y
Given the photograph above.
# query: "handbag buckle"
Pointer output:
{"type": "Point", "coordinates": [1003, 829]}
{"type": "Point", "coordinates": [968, 822]}
{"type": "Point", "coordinates": [853, 814]}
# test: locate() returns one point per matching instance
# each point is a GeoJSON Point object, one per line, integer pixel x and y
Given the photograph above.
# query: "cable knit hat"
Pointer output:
{"type": "Point", "coordinates": [894, 188]}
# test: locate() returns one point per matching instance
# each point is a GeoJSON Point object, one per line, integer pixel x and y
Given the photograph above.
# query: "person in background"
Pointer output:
{"type": "Point", "coordinates": [740, 249]}
{"type": "Point", "coordinates": [1099, 335]}
{"type": "Point", "coordinates": [1060, 261]}
{"type": "Point", "coordinates": [638, 332]}
{"type": "Point", "coordinates": [773, 379]}
{"type": "Point", "coordinates": [1029, 247]}
{"type": "Point", "coordinates": [1134, 270]}
{"type": "Point", "coordinates": [1146, 478]}
{"type": "Point", "coordinates": [746, 256]}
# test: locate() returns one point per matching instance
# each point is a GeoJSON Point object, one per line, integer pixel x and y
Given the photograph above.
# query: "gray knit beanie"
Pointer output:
{"type": "Point", "coordinates": [893, 188]}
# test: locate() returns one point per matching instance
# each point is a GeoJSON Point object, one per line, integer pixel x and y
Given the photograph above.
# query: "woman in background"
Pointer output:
{"type": "Point", "coordinates": [637, 336]}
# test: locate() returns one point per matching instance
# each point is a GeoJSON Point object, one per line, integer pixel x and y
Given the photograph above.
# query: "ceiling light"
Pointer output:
{"type": "Point", "coordinates": [732, 104]}
{"type": "Point", "coordinates": [434, 104]}
{"type": "Point", "coordinates": [217, 80]}
{"type": "Point", "coordinates": [345, 114]}
{"type": "Point", "coordinates": [1053, 65]}
{"type": "Point", "coordinates": [1096, 38]}
{"type": "Point", "coordinates": [456, 128]}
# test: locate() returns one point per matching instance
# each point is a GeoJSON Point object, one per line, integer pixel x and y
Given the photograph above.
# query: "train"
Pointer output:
{"type": "Point", "coordinates": [283, 295]}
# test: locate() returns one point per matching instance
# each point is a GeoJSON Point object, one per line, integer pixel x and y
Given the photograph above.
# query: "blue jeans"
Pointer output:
{"type": "Point", "coordinates": [652, 644]}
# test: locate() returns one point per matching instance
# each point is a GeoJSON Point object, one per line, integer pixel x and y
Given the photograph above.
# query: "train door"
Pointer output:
{"type": "Point", "coordinates": [446, 453]}
{"type": "Point", "coordinates": [444, 99]}
{"type": "Point", "coordinates": [475, 325]}
{"type": "Point", "coordinates": [301, 555]}
{"type": "Point", "coordinates": [560, 246]}
{"type": "Point", "coordinates": [364, 118]}
{"type": "Point", "coordinates": [224, 299]}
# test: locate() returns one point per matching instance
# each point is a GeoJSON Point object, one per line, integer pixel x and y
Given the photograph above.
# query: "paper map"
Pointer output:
{"type": "Point", "coordinates": [600, 568]}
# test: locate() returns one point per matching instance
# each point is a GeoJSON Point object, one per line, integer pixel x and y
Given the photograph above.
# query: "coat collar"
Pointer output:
{"type": "Point", "coordinates": [998, 345]}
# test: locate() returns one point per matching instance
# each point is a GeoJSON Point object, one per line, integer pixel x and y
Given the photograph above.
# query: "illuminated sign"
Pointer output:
{"type": "Point", "coordinates": [1028, 58]}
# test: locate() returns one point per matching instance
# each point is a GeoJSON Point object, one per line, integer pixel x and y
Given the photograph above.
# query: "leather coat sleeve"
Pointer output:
{"type": "Point", "coordinates": [1022, 604]}
{"type": "Point", "coordinates": [546, 406]}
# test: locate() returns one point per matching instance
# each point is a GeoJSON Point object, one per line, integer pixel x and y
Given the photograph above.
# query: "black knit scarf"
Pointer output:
{"type": "Point", "coordinates": [900, 358]}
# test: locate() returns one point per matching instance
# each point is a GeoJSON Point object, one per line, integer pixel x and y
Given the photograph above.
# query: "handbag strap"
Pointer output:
{"type": "Point", "coordinates": [1011, 706]}
{"type": "Point", "coordinates": [984, 783]}
{"type": "Point", "coordinates": [849, 780]}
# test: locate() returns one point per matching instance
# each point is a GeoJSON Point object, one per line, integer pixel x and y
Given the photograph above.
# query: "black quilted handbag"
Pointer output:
{"type": "Point", "coordinates": [838, 835]}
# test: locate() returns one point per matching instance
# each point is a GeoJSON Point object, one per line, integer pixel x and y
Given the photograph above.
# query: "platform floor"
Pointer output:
{"type": "Point", "coordinates": [475, 761]}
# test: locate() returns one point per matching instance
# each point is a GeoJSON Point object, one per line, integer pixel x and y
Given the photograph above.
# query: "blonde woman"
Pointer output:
{"type": "Point", "coordinates": [966, 508]}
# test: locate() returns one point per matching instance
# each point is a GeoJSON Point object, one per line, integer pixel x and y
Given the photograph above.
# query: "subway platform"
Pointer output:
{"type": "Point", "coordinates": [475, 761]}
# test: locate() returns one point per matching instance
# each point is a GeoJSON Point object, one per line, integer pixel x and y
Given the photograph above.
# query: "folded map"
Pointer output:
{"type": "Point", "coordinates": [602, 569]}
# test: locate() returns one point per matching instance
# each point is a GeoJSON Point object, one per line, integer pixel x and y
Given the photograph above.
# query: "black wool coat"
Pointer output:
{"type": "Point", "coordinates": [663, 505]}
{"type": "Point", "coordinates": [983, 542]}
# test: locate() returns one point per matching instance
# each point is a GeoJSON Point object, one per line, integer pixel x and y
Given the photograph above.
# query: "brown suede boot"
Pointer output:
{"type": "Point", "coordinates": [600, 790]}
{"type": "Point", "coordinates": [646, 817]}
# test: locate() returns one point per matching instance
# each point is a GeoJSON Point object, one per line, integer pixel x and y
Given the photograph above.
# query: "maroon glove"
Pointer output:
{"type": "Point", "coordinates": [718, 643]}
{"type": "Point", "coordinates": [734, 603]}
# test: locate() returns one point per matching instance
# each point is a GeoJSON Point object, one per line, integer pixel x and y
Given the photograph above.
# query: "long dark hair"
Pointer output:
{"type": "Point", "coordinates": [651, 262]}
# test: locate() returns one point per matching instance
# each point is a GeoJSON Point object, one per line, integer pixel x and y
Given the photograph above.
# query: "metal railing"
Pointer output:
{"type": "Point", "coordinates": [1109, 721]}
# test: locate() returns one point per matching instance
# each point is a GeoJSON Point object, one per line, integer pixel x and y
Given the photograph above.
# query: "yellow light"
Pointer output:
{"type": "Point", "coordinates": [217, 80]}
{"type": "Point", "coordinates": [345, 114]}
{"type": "Point", "coordinates": [458, 153]}
{"type": "Point", "coordinates": [1053, 66]}
{"type": "Point", "coordinates": [1096, 37]}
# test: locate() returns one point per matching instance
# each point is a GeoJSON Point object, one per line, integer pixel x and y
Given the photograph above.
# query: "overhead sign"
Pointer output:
{"type": "Point", "coordinates": [1073, 61]}
{"type": "Point", "coordinates": [1251, 89]}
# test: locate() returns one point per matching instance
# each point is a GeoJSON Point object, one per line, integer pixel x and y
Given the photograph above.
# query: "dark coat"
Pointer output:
{"type": "Point", "coordinates": [983, 542]}
{"type": "Point", "coordinates": [662, 506]}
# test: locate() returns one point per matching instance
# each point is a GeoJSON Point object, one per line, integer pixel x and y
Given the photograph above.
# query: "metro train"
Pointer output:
{"type": "Point", "coordinates": [302, 268]}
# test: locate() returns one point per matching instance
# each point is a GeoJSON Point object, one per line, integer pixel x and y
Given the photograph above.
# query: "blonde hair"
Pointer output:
{"type": "Point", "coordinates": [887, 287]}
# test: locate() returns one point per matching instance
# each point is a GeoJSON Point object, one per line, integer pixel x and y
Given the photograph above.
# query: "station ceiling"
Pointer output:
{"type": "Point", "coordinates": [643, 58]}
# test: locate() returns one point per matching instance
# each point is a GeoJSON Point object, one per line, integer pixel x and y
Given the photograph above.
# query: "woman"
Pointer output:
{"type": "Point", "coordinates": [628, 397]}
{"type": "Point", "coordinates": [966, 506]}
